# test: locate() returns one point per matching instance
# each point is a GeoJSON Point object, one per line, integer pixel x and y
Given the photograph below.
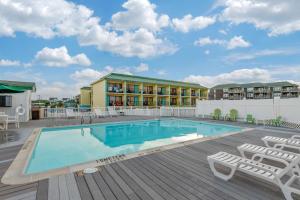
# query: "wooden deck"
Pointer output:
{"type": "Point", "coordinates": [14, 192]}
{"type": "Point", "coordinates": [177, 174]}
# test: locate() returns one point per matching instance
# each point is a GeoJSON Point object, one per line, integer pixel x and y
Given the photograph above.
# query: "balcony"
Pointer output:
{"type": "Point", "coordinates": [261, 96]}
{"type": "Point", "coordinates": [184, 94]}
{"type": "Point", "coordinates": [195, 94]}
{"type": "Point", "coordinates": [132, 103]}
{"type": "Point", "coordinates": [290, 89]}
{"type": "Point", "coordinates": [235, 97]}
{"type": "Point", "coordinates": [149, 92]}
{"type": "Point", "coordinates": [236, 90]}
{"type": "Point", "coordinates": [173, 103]}
{"type": "Point", "coordinates": [148, 103]}
{"type": "Point", "coordinates": [162, 103]}
{"type": "Point", "coordinates": [185, 103]}
{"type": "Point", "coordinates": [262, 90]}
{"type": "Point", "coordinates": [115, 103]}
{"type": "Point", "coordinates": [114, 89]}
{"type": "Point", "coordinates": [133, 91]}
{"type": "Point", "coordinates": [162, 93]}
{"type": "Point", "coordinates": [174, 93]}
{"type": "Point", "coordinates": [289, 95]}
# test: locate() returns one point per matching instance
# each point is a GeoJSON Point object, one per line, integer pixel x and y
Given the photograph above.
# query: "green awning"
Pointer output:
{"type": "Point", "coordinates": [13, 89]}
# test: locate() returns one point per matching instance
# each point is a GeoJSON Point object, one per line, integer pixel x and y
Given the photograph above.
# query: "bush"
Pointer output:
{"type": "Point", "coordinates": [250, 119]}
{"type": "Point", "coordinates": [233, 114]}
{"type": "Point", "coordinates": [277, 121]}
{"type": "Point", "coordinates": [217, 114]}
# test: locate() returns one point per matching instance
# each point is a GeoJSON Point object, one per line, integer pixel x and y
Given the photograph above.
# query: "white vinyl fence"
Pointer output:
{"type": "Point", "coordinates": [262, 109]}
{"type": "Point", "coordinates": [177, 111]}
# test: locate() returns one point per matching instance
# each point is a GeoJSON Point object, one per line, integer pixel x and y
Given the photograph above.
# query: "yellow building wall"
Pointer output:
{"type": "Point", "coordinates": [85, 97]}
{"type": "Point", "coordinates": [99, 94]}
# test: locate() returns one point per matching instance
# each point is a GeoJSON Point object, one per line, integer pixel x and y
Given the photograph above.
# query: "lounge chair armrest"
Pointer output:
{"type": "Point", "coordinates": [262, 156]}
{"type": "Point", "coordinates": [297, 137]}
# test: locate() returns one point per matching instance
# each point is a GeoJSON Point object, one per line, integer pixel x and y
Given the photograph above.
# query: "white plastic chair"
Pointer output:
{"type": "Point", "coordinates": [99, 113]}
{"type": "Point", "coordinates": [16, 119]}
{"type": "Point", "coordinates": [4, 121]}
{"type": "Point", "coordinates": [112, 112]}
{"type": "Point", "coordinates": [256, 168]}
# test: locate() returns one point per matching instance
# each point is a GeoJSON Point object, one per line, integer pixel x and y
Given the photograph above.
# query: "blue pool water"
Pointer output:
{"type": "Point", "coordinates": [61, 147]}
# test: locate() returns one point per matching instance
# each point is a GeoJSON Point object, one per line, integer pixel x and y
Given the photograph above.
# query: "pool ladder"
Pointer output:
{"type": "Point", "coordinates": [82, 120]}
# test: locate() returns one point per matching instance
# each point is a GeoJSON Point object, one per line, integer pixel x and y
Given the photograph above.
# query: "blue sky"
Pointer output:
{"type": "Point", "coordinates": [64, 45]}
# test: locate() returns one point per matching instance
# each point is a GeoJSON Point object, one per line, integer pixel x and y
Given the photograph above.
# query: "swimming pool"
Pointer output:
{"type": "Point", "coordinates": [65, 146]}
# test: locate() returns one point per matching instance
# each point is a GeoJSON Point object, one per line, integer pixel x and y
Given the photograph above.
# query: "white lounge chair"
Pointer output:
{"type": "Point", "coordinates": [251, 149]}
{"type": "Point", "coordinates": [70, 113]}
{"type": "Point", "coordinates": [112, 112]}
{"type": "Point", "coordinates": [99, 113]}
{"type": "Point", "coordinates": [293, 142]}
{"type": "Point", "coordinates": [256, 168]}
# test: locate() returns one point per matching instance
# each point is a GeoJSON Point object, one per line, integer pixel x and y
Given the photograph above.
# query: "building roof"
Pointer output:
{"type": "Point", "coordinates": [86, 88]}
{"type": "Point", "coordinates": [133, 78]}
{"type": "Point", "coordinates": [17, 86]}
{"type": "Point", "coordinates": [252, 85]}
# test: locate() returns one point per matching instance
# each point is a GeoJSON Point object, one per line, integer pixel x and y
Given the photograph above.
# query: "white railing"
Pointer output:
{"type": "Point", "coordinates": [64, 112]}
{"type": "Point", "coordinates": [130, 111]}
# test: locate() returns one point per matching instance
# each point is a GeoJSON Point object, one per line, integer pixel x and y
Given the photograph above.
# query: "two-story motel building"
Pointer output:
{"type": "Point", "coordinates": [137, 91]}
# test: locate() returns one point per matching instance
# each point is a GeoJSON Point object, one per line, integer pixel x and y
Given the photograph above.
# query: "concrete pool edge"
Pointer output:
{"type": "Point", "coordinates": [16, 172]}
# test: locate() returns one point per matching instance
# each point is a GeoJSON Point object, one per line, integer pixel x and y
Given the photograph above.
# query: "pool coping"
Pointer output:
{"type": "Point", "coordinates": [15, 173]}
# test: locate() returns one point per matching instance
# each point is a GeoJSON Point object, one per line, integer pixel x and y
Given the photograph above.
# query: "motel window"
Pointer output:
{"type": "Point", "coordinates": [5, 101]}
{"type": "Point", "coordinates": [173, 91]}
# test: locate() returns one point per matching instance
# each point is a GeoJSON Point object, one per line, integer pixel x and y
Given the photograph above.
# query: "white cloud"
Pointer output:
{"type": "Point", "coordinates": [59, 57]}
{"type": "Point", "coordinates": [206, 52]}
{"type": "Point", "coordinates": [48, 19]}
{"type": "Point", "coordinates": [141, 43]}
{"type": "Point", "coordinates": [87, 74]}
{"type": "Point", "coordinates": [222, 31]}
{"type": "Point", "coordinates": [188, 23]}
{"type": "Point", "coordinates": [276, 16]}
{"type": "Point", "coordinates": [248, 75]}
{"type": "Point", "coordinates": [208, 41]}
{"type": "Point", "coordinates": [235, 42]}
{"type": "Point", "coordinates": [139, 14]}
{"type": "Point", "coordinates": [161, 72]}
{"type": "Point", "coordinates": [45, 19]}
{"type": "Point", "coordinates": [142, 68]}
{"type": "Point", "coordinates": [9, 63]}
{"type": "Point", "coordinates": [262, 53]}
{"type": "Point", "coordinates": [55, 89]}
{"type": "Point", "coordinates": [236, 76]}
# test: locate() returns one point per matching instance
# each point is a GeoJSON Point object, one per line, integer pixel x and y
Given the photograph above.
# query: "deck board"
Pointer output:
{"type": "Point", "coordinates": [112, 184]}
{"type": "Point", "coordinates": [176, 174]}
{"type": "Point", "coordinates": [42, 190]}
{"type": "Point", "coordinates": [24, 191]}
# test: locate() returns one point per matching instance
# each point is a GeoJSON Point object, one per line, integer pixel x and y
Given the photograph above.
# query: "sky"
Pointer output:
{"type": "Point", "coordinates": [63, 45]}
